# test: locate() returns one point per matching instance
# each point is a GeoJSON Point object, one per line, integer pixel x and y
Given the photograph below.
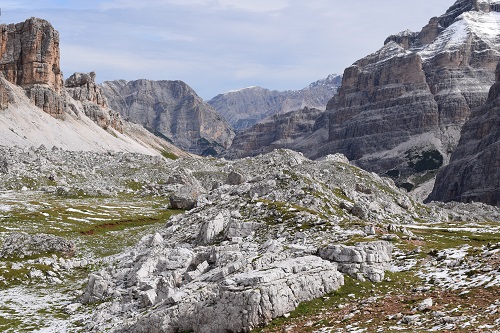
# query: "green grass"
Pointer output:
{"type": "Point", "coordinates": [169, 155]}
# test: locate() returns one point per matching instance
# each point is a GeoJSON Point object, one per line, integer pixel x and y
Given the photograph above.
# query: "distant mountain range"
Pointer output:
{"type": "Point", "coordinates": [246, 107]}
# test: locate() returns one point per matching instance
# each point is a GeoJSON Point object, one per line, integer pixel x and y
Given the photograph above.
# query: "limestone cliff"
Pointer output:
{"type": "Point", "coordinates": [171, 109]}
{"type": "Point", "coordinates": [30, 58]}
{"type": "Point", "coordinates": [399, 111]}
{"type": "Point", "coordinates": [245, 107]}
{"type": "Point", "coordinates": [474, 170]}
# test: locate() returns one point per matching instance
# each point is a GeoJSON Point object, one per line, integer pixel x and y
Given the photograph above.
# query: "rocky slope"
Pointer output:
{"type": "Point", "coordinates": [399, 111]}
{"type": "Point", "coordinates": [172, 110]}
{"type": "Point", "coordinates": [263, 235]}
{"type": "Point", "coordinates": [244, 108]}
{"type": "Point", "coordinates": [474, 170]}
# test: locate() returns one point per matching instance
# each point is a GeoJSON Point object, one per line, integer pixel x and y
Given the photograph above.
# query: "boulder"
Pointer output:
{"type": "Point", "coordinates": [364, 260]}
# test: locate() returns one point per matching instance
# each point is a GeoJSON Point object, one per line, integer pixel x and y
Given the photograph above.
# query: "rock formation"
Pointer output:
{"type": "Point", "coordinates": [20, 244]}
{"type": "Point", "coordinates": [474, 170]}
{"type": "Point", "coordinates": [244, 108]}
{"type": "Point", "coordinates": [410, 98]}
{"type": "Point", "coordinates": [274, 132]}
{"type": "Point", "coordinates": [172, 110]}
{"type": "Point", "coordinates": [82, 88]}
{"type": "Point", "coordinates": [30, 58]}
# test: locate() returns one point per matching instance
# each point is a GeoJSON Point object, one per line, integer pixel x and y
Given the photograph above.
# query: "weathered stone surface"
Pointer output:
{"type": "Point", "coordinates": [474, 170]}
{"type": "Point", "coordinates": [277, 131]}
{"type": "Point", "coordinates": [246, 107]}
{"type": "Point", "coordinates": [186, 197]}
{"type": "Point", "coordinates": [96, 289]}
{"type": "Point", "coordinates": [20, 244]}
{"type": "Point", "coordinates": [30, 54]}
{"type": "Point", "coordinates": [173, 110]}
{"type": "Point", "coordinates": [30, 58]}
{"type": "Point", "coordinates": [365, 260]}
{"type": "Point", "coordinates": [82, 87]}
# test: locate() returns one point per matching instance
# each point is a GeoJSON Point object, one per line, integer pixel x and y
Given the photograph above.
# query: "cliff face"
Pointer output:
{"type": "Point", "coordinates": [29, 57]}
{"type": "Point", "coordinates": [278, 131]}
{"type": "Point", "coordinates": [400, 110]}
{"type": "Point", "coordinates": [172, 110]}
{"type": "Point", "coordinates": [81, 87]}
{"type": "Point", "coordinates": [474, 170]}
{"type": "Point", "coordinates": [244, 108]}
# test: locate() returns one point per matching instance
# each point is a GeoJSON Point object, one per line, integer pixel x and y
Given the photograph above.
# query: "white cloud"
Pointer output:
{"type": "Point", "coordinates": [254, 5]}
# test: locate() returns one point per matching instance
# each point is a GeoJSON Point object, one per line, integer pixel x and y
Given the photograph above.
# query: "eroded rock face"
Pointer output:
{"type": "Point", "coordinates": [174, 111]}
{"type": "Point", "coordinates": [30, 58]}
{"type": "Point", "coordinates": [474, 170]}
{"type": "Point", "coordinates": [245, 107]}
{"type": "Point", "coordinates": [277, 131]}
{"type": "Point", "coordinates": [82, 88]}
{"type": "Point", "coordinates": [30, 54]}
{"type": "Point", "coordinates": [400, 110]}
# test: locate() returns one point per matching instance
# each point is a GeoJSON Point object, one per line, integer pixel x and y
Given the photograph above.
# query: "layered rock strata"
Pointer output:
{"type": "Point", "coordinates": [399, 111]}
{"type": "Point", "coordinates": [278, 131]}
{"type": "Point", "coordinates": [474, 170]}
{"type": "Point", "coordinates": [82, 88]}
{"type": "Point", "coordinates": [30, 58]}
{"type": "Point", "coordinates": [172, 110]}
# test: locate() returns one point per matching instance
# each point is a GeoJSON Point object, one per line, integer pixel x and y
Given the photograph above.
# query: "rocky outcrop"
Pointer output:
{"type": "Point", "coordinates": [82, 88]}
{"type": "Point", "coordinates": [399, 111]}
{"type": "Point", "coordinates": [21, 244]}
{"type": "Point", "coordinates": [474, 170]}
{"type": "Point", "coordinates": [172, 110]}
{"type": "Point", "coordinates": [245, 107]}
{"type": "Point", "coordinates": [30, 58]}
{"type": "Point", "coordinates": [278, 131]}
{"type": "Point", "coordinates": [30, 54]}
{"type": "Point", "coordinates": [365, 260]}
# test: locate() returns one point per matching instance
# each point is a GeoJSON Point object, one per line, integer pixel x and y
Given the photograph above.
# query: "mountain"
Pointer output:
{"type": "Point", "coordinates": [245, 107]}
{"type": "Point", "coordinates": [172, 110]}
{"type": "Point", "coordinates": [399, 111]}
{"type": "Point", "coordinates": [38, 108]}
{"type": "Point", "coordinates": [474, 170]}
{"type": "Point", "coordinates": [274, 132]}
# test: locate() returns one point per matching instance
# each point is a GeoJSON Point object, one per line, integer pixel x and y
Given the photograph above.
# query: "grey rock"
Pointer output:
{"type": "Point", "coordinates": [365, 260]}
{"type": "Point", "coordinates": [96, 289]}
{"type": "Point", "coordinates": [235, 178]}
{"type": "Point", "coordinates": [20, 244]}
{"type": "Point", "coordinates": [186, 197]}
{"type": "Point", "coordinates": [246, 107]}
{"type": "Point", "coordinates": [474, 171]}
{"type": "Point", "coordinates": [173, 110]}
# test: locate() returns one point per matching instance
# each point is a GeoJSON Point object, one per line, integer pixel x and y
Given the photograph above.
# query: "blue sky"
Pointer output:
{"type": "Point", "coordinates": [220, 45]}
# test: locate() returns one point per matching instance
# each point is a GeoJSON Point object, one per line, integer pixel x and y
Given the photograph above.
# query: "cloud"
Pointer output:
{"type": "Point", "coordinates": [254, 5]}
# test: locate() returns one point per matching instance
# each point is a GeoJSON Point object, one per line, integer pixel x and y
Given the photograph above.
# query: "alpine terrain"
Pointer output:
{"type": "Point", "coordinates": [173, 111]}
{"type": "Point", "coordinates": [399, 111]}
{"type": "Point", "coordinates": [107, 227]}
{"type": "Point", "coordinates": [245, 107]}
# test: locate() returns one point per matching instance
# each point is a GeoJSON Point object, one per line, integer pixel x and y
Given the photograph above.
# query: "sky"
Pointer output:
{"type": "Point", "coordinates": [221, 45]}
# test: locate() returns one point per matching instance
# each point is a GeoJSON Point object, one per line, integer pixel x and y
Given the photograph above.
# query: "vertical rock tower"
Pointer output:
{"type": "Point", "coordinates": [30, 58]}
